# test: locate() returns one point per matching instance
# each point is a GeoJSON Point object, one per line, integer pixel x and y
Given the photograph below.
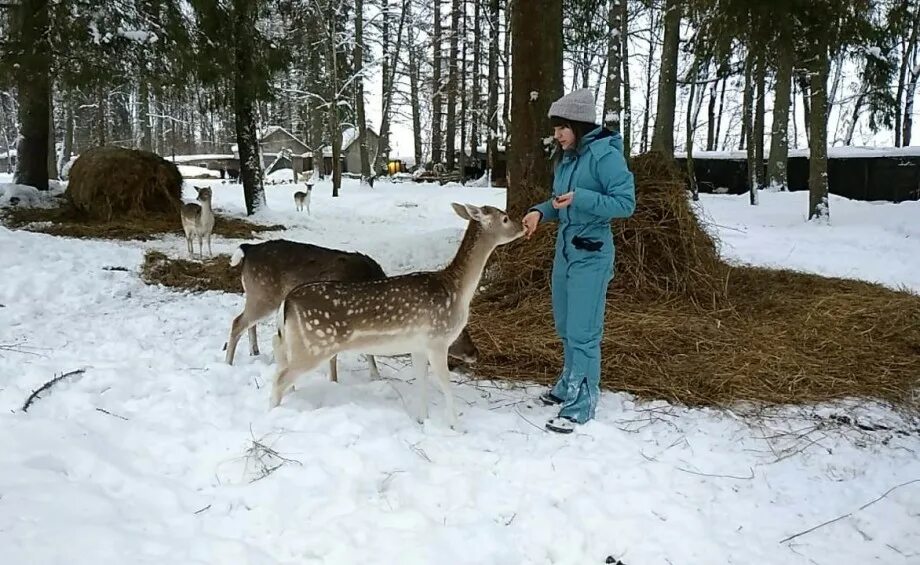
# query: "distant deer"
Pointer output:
{"type": "Point", "coordinates": [272, 268]}
{"type": "Point", "coordinates": [198, 221]}
{"type": "Point", "coordinates": [301, 198]}
{"type": "Point", "coordinates": [418, 313]}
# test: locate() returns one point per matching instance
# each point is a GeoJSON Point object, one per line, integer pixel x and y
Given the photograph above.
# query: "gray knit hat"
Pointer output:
{"type": "Point", "coordinates": [577, 106]}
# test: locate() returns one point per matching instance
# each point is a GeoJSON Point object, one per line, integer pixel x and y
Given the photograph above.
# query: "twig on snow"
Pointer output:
{"type": "Point", "coordinates": [202, 509]}
{"type": "Point", "coordinates": [848, 514]}
{"type": "Point", "coordinates": [48, 385]}
{"type": "Point", "coordinates": [716, 476]}
{"type": "Point", "coordinates": [265, 458]}
{"type": "Point", "coordinates": [104, 411]}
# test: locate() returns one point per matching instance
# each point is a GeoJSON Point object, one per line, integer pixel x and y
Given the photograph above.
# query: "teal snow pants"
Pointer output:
{"type": "Point", "coordinates": [579, 289]}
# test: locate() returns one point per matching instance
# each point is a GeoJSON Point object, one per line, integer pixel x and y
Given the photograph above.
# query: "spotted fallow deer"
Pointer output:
{"type": "Point", "coordinates": [198, 220]}
{"type": "Point", "coordinates": [272, 268]}
{"type": "Point", "coordinates": [418, 313]}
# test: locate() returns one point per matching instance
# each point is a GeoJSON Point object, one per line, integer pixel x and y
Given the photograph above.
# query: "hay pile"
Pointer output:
{"type": "Point", "coordinates": [214, 273]}
{"type": "Point", "coordinates": [69, 222]}
{"type": "Point", "coordinates": [106, 182]}
{"type": "Point", "coordinates": [683, 326]}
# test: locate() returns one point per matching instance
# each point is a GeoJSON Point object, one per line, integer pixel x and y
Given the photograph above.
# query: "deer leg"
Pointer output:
{"type": "Point", "coordinates": [253, 341]}
{"type": "Point", "coordinates": [420, 373]}
{"type": "Point", "coordinates": [209, 245]}
{"type": "Point", "coordinates": [333, 369]}
{"type": "Point", "coordinates": [284, 378]}
{"type": "Point", "coordinates": [286, 375]}
{"type": "Point", "coordinates": [200, 247]}
{"type": "Point", "coordinates": [438, 359]}
{"type": "Point", "coordinates": [252, 312]}
{"type": "Point", "coordinates": [375, 372]}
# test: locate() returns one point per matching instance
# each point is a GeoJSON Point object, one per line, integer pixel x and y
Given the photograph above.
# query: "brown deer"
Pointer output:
{"type": "Point", "coordinates": [272, 268]}
{"type": "Point", "coordinates": [198, 221]}
{"type": "Point", "coordinates": [418, 313]}
{"type": "Point", "coordinates": [301, 198]}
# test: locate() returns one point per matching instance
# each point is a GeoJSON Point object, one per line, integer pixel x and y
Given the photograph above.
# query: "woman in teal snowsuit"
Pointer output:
{"type": "Point", "coordinates": [591, 186]}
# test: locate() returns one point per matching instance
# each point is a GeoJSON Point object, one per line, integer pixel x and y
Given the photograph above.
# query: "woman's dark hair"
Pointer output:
{"type": "Point", "coordinates": [580, 129]}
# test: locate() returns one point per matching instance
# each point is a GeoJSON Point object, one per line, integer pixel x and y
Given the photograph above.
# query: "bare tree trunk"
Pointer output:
{"type": "Point", "coordinates": [857, 109]}
{"type": "Point", "coordinates": [52, 137]}
{"type": "Point", "coordinates": [334, 125]}
{"type": "Point", "coordinates": [646, 115]}
{"type": "Point", "coordinates": [817, 177]}
{"type": "Point", "coordinates": [100, 127]}
{"type": "Point", "coordinates": [902, 77]}
{"type": "Point", "coordinates": [143, 113]}
{"type": "Point", "coordinates": [795, 125]}
{"type": "Point", "coordinates": [476, 114]}
{"type": "Point", "coordinates": [536, 31]}
{"type": "Point", "coordinates": [414, 98]}
{"type": "Point", "coordinates": [627, 98]}
{"type": "Point", "coordinates": [803, 80]}
{"type": "Point", "coordinates": [33, 84]}
{"type": "Point", "coordinates": [461, 158]}
{"type": "Point", "coordinates": [715, 144]}
{"type": "Point", "coordinates": [507, 56]}
{"type": "Point", "coordinates": [613, 104]}
{"type": "Point", "coordinates": [452, 86]}
{"type": "Point", "coordinates": [691, 126]}
{"type": "Point", "coordinates": [779, 136]}
{"type": "Point", "coordinates": [759, 111]}
{"type": "Point", "coordinates": [244, 21]}
{"type": "Point", "coordinates": [910, 94]}
{"type": "Point", "coordinates": [747, 125]}
{"type": "Point", "coordinates": [390, 60]}
{"type": "Point", "coordinates": [67, 145]}
{"type": "Point", "coordinates": [359, 90]}
{"type": "Point", "coordinates": [492, 102]}
{"type": "Point", "coordinates": [663, 136]}
{"type": "Point", "coordinates": [711, 112]}
{"type": "Point", "coordinates": [436, 138]}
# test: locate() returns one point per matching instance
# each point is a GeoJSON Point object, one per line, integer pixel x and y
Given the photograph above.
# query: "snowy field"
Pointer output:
{"type": "Point", "coordinates": [148, 456]}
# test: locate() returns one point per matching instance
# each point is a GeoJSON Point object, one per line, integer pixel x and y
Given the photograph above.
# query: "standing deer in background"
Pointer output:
{"type": "Point", "coordinates": [272, 268]}
{"type": "Point", "coordinates": [301, 198]}
{"type": "Point", "coordinates": [419, 313]}
{"type": "Point", "coordinates": [198, 221]}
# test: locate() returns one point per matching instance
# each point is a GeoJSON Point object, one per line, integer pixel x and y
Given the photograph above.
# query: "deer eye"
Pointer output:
{"type": "Point", "coordinates": [505, 220]}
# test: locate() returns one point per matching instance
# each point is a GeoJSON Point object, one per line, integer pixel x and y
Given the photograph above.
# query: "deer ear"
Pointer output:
{"type": "Point", "coordinates": [461, 210]}
{"type": "Point", "coordinates": [475, 212]}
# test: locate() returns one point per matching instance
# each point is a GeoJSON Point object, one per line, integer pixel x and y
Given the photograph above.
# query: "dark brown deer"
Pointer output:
{"type": "Point", "coordinates": [419, 313]}
{"type": "Point", "coordinates": [272, 268]}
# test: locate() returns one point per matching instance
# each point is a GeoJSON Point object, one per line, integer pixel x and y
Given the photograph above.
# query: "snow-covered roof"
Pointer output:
{"type": "Point", "coordinates": [840, 152]}
{"type": "Point", "coordinates": [201, 157]}
{"type": "Point", "coordinates": [274, 129]}
{"type": "Point", "coordinates": [349, 136]}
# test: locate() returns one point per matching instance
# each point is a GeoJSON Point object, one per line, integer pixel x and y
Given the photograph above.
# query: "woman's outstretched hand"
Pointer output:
{"type": "Point", "coordinates": [530, 222]}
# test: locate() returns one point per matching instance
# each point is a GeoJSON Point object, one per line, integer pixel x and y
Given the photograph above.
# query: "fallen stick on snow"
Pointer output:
{"type": "Point", "coordinates": [48, 385]}
{"type": "Point", "coordinates": [848, 514]}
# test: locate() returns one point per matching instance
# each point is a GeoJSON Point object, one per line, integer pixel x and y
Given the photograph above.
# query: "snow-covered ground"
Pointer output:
{"type": "Point", "coordinates": [148, 457]}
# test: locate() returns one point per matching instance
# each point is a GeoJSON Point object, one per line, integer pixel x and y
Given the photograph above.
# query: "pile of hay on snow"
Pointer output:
{"type": "Point", "coordinates": [214, 273]}
{"type": "Point", "coordinates": [683, 326]}
{"type": "Point", "coordinates": [111, 181]}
